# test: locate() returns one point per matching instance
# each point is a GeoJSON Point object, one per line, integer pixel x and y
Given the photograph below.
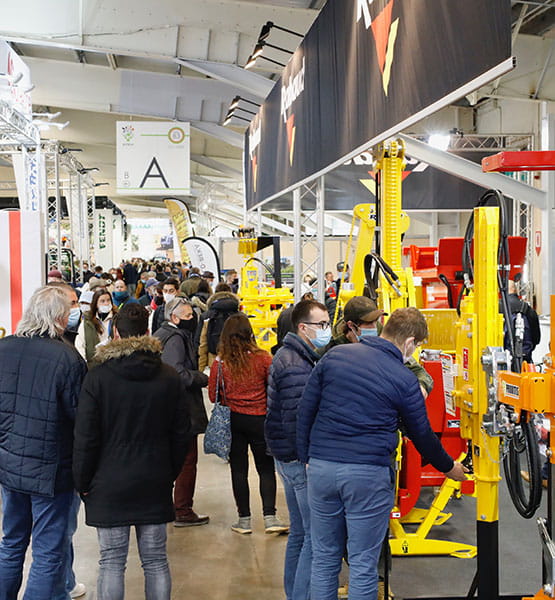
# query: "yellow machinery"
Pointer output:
{"type": "Point", "coordinates": [261, 303]}
{"type": "Point", "coordinates": [393, 288]}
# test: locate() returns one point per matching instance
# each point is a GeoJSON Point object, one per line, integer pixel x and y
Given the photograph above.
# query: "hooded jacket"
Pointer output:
{"type": "Point", "coordinates": [178, 352]}
{"type": "Point", "coordinates": [131, 435]}
{"type": "Point", "coordinates": [40, 380]}
{"type": "Point", "coordinates": [355, 400]}
{"type": "Point", "coordinates": [289, 373]}
{"type": "Point", "coordinates": [225, 302]}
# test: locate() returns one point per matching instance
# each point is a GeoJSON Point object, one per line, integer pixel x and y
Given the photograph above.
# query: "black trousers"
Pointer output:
{"type": "Point", "coordinates": [248, 430]}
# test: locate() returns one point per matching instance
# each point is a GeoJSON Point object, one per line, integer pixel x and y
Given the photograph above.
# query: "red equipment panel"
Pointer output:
{"type": "Point", "coordinates": [413, 474]}
{"type": "Point", "coordinates": [520, 161]}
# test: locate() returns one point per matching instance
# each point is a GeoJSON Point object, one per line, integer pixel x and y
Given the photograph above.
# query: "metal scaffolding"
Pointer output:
{"type": "Point", "coordinates": [308, 208]}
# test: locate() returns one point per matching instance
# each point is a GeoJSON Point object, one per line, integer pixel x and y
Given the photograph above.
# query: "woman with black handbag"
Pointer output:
{"type": "Point", "coordinates": [243, 369]}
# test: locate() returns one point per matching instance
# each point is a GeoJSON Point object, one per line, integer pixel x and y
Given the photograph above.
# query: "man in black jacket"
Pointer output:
{"type": "Point", "coordinates": [176, 335]}
{"type": "Point", "coordinates": [131, 436]}
{"type": "Point", "coordinates": [40, 379]}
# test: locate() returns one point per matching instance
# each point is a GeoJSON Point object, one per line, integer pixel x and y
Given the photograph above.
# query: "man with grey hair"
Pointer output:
{"type": "Point", "coordinates": [40, 381]}
{"type": "Point", "coordinates": [176, 335]}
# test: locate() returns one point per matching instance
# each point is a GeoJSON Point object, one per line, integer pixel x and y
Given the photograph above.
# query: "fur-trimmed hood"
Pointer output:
{"type": "Point", "coordinates": [126, 347]}
{"type": "Point", "coordinates": [221, 295]}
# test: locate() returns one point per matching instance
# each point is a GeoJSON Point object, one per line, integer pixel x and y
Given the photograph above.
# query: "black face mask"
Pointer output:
{"type": "Point", "coordinates": [188, 324]}
{"type": "Point", "coordinates": [158, 300]}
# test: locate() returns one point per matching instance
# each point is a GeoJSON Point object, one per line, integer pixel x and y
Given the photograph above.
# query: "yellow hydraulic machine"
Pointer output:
{"type": "Point", "coordinates": [392, 286]}
{"type": "Point", "coordinates": [260, 302]}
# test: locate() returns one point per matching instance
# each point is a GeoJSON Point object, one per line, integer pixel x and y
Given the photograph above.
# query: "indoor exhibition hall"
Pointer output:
{"type": "Point", "coordinates": [278, 284]}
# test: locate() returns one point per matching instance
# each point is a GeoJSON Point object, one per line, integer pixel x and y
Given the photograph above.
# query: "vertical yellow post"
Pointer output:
{"type": "Point", "coordinates": [480, 325]}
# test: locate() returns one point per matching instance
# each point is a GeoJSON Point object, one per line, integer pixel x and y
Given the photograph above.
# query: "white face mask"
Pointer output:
{"type": "Point", "coordinates": [408, 351]}
{"type": "Point", "coordinates": [168, 297]}
{"type": "Point", "coordinates": [104, 309]}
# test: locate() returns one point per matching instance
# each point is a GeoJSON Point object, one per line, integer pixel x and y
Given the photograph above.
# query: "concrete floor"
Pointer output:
{"type": "Point", "coordinates": [211, 562]}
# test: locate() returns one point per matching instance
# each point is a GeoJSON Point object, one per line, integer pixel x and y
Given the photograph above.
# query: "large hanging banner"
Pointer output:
{"type": "Point", "coordinates": [366, 70]}
{"type": "Point", "coordinates": [104, 238]}
{"type": "Point", "coordinates": [203, 255]}
{"type": "Point", "coordinates": [153, 158]}
{"type": "Point", "coordinates": [181, 219]}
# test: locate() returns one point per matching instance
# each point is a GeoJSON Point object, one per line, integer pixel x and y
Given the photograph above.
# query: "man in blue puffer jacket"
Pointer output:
{"type": "Point", "coordinates": [40, 380]}
{"type": "Point", "coordinates": [347, 423]}
{"type": "Point", "coordinates": [289, 373]}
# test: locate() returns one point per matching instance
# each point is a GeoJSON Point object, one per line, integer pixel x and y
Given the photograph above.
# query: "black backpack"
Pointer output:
{"type": "Point", "coordinates": [533, 321]}
{"type": "Point", "coordinates": [217, 316]}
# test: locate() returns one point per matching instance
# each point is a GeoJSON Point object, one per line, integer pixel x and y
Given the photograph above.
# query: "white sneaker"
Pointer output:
{"type": "Point", "coordinates": [78, 591]}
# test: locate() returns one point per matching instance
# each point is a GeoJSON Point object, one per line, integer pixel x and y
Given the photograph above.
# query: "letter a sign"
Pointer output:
{"type": "Point", "coordinates": [153, 158]}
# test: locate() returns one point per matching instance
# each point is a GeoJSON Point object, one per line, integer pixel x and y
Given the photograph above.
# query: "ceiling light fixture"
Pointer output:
{"type": "Point", "coordinates": [233, 116]}
{"type": "Point", "coordinates": [47, 115]}
{"type": "Point", "coordinates": [251, 61]}
{"type": "Point", "coordinates": [267, 28]}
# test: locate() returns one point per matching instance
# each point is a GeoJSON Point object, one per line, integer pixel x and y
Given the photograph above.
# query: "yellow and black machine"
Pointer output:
{"type": "Point", "coordinates": [380, 274]}
{"type": "Point", "coordinates": [261, 302]}
{"type": "Point", "coordinates": [490, 393]}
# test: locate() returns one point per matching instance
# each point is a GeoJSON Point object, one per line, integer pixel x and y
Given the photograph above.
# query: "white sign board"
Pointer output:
{"type": "Point", "coordinates": [153, 158]}
{"type": "Point", "coordinates": [104, 238]}
{"type": "Point", "coordinates": [16, 80]}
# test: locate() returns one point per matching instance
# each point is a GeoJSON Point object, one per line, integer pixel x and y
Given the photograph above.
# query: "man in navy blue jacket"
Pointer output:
{"type": "Point", "coordinates": [40, 380]}
{"type": "Point", "coordinates": [347, 425]}
{"type": "Point", "coordinates": [289, 373]}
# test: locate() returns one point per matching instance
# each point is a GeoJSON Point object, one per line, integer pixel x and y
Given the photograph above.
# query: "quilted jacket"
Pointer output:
{"type": "Point", "coordinates": [40, 381]}
{"type": "Point", "coordinates": [355, 400]}
{"type": "Point", "coordinates": [289, 373]}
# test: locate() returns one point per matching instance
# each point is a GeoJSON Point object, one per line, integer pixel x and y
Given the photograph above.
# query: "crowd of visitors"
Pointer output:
{"type": "Point", "coordinates": [101, 401]}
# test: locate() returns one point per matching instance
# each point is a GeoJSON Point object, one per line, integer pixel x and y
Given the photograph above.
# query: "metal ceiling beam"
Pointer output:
{"type": "Point", "coordinates": [257, 85]}
{"type": "Point", "coordinates": [469, 171]}
{"type": "Point", "coordinates": [216, 165]}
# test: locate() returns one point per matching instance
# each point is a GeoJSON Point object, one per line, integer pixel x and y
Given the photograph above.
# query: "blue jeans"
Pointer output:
{"type": "Point", "coordinates": [47, 519]}
{"type": "Point", "coordinates": [71, 529]}
{"type": "Point", "coordinates": [114, 545]}
{"type": "Point", "coordinates": [349, 503]}
{"type": "Point", "coordinates": [298, 555]}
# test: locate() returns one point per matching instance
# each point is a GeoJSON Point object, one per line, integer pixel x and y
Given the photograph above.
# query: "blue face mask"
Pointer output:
{"type": "Point", "coordinates": [368, 333]}
{"type": "Point", "coordinates": [323, 337]}
{"type": "Point", "coordinates": [120, 297]}
{"type": "Point", "coordinates": [74, 316]}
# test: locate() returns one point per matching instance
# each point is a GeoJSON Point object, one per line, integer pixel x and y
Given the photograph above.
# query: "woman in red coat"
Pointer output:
{"type": "Point", "coordinates": [244, 370]}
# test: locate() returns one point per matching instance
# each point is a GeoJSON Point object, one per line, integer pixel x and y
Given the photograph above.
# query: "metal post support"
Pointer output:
{"type": "Point", "coordinates": [320, 237]}
{"type": "Point", "coordinates": [548, 215]}
{"type": "Point", "coordinates": [57, 205]}
{"type": "Point", "coordinates": [259, 221]}
{"type": "Point", "coordinates": [297, 244]}
{"type": "Point", "coordinates": [91, 214]}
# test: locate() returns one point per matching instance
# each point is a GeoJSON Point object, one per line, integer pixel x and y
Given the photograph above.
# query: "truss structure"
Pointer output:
{"type": "Point", "coordinates": [308, 210]}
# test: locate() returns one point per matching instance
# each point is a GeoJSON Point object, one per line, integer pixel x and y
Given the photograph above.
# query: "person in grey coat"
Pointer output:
{"type": "Point", "coordinates": [176, 335]}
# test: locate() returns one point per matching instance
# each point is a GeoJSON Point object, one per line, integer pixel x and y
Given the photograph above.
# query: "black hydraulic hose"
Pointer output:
{"type": "Point", "coordinates": [446, 283]}
{"type": "Point", "coordinates": [372, 265]}
{"type": "Point", "coordinates": [524, 443]}
{"type": "Point", "coordinates": [253, 258]}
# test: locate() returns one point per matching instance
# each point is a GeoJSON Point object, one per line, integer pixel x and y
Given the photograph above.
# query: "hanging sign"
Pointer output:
{"type": "Point", "coordinates": [104, 238]}
{"type": "Point", "coordinates": [153, 158]}
{"type": "Point", "coordinates": [15, 83]}
{"type": "Point", "coordinates": [366, 70]}
{"type": "Point", "coordinates": [203, 255]}
{"type": "Point", "coordinates": [538, 242]}
{"type": "Point", "coordinates": [181, 219]}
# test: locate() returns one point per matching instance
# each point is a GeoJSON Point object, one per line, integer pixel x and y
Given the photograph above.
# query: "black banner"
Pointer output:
{"type": "Point", "coordinates": [365, 70]}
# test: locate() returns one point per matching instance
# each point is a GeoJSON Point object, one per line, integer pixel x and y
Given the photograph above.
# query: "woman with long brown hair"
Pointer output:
{"type": "Point", "coordinates": [95, 325]}
{"type": "Point", "coordinates": [243, 369]}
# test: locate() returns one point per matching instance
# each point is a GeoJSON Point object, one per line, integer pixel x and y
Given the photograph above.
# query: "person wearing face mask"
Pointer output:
{"type": "Point", "coordinates": [149, 292]}
{"type": "Point", "coordinates": [289, 372]}
{"type": "Point", "coordinates": [95, 326]}
{"type": "Point", "coordinates": [176, 335]}
{"type": "Point", "coordinates": [347, 425]}
{"type": "Point", "coordinates": [74, 319]}
{"type": "Point", "coordinates": [170, 290]}
{"type": "Point", "coordinates": [120, 294]}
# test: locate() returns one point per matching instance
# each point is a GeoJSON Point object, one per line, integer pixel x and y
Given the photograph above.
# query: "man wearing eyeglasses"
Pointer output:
{"type": "Point", "coordinates": [289, 372]}
{"type": "Point", "coordinates": [347, 433]}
